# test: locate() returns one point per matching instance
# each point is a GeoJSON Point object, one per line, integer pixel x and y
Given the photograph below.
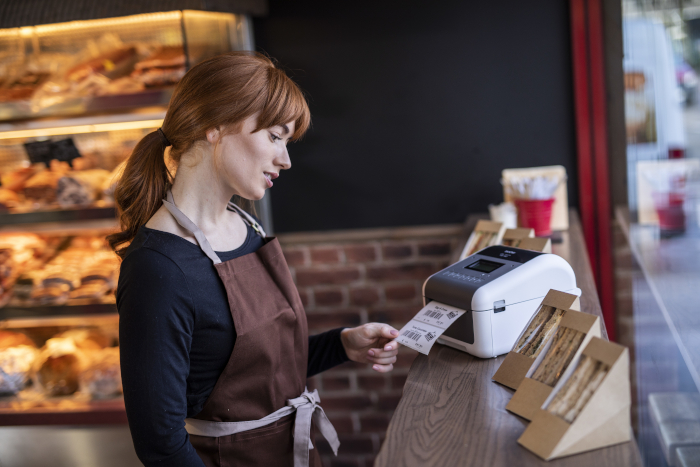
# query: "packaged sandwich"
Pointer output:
{"type": "Point", "coordinates": [534, 338]}
{"type": "Point", "coordinates": [564, 346]}
{"type": "Point", "coordinates": [589, 407]}
{"type": "Point", "coordinates": [513, 237]}
{"type": "Point", "coordinates": [575, 330]}
{"type": "Point", "coordinates": [574, 395]}
{"type": "Point", "coordinates": [486, 233]}
{"type": "Point", "coordinates": [539, 331]}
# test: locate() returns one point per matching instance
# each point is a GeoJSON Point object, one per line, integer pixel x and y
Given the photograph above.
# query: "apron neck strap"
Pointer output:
{"type": "Point", "coordinates": [248, 219]}
{"type": "Point", "coordinates": [191, 227]}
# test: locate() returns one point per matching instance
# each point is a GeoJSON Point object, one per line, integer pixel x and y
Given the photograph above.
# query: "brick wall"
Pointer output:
{"type": "Point", "coordinates": [356, 277]}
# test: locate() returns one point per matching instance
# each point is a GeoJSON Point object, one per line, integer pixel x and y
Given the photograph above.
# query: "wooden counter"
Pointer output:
{"type": "Point", "coordinates": [452, 414]}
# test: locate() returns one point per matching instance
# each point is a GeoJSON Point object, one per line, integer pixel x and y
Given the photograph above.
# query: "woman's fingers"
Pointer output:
{"type": "Point", "coordinates": [382, 360]}
{"type": "Point", "coordinates": [379, 330]}
{"type": "Point", "coordinates": [382, 368]}
{"type": "Point", "coordinates": [393, 349]}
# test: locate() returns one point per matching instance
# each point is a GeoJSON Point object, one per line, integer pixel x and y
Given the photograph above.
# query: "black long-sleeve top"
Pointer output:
{"type": "Point", "coordinates": [176, 335]}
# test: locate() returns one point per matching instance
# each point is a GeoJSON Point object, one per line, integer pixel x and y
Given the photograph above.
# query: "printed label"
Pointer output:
{"type": "Point", "coordinates": [438, 315]}
{"type": "Point", "coordinates": [423, 330]}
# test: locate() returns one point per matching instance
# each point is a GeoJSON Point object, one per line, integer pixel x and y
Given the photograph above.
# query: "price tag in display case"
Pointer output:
{"type": "Point", "coordinates": [63, 150]}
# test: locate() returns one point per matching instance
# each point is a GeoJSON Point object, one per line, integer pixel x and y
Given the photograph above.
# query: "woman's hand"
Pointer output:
{"type": "Point", "coordinates": [372, 343]}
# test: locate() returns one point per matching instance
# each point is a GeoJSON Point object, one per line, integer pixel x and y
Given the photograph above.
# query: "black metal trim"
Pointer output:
{"type": "Point", "coordinates": [14, 14]}
{"type": "Point", "coordinates": [39, 217]}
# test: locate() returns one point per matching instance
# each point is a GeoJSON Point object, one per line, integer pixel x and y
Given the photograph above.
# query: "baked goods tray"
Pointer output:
{"type": "Point", "coordinates": [58, 215]}
{"type": "Point", "coordinates": [20, 110]}
{"type": "Point", "coordinates": [54, 311]}
{"type": "Point", "coordinates": [61, 411]}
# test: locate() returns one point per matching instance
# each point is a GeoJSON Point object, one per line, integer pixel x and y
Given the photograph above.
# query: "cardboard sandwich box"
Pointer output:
{"type": "Point", "coordinates": [486, 233]}
{"type": "Point", "coordinates": [589, 407]}
{"type": "Point", "coordinates": [513, 237]}
{"type": "Point", "coordinates": [542, 244]}
{"type": "Point", "coordinates": [576, 329]}
{"type": "Point", "coordinates": [517, 364]}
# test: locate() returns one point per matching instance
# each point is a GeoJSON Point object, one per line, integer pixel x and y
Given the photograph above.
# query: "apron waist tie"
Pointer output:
{"type": "Point", "coordinates": [306, 407]}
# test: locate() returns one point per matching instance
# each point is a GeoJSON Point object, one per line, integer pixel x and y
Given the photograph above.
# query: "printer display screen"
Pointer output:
{"type": "Point", "coordinates": [484, 266]}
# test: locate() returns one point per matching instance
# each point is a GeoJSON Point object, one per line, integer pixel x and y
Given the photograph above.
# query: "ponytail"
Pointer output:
{"type": "Point", "coordinates": [141, 189]}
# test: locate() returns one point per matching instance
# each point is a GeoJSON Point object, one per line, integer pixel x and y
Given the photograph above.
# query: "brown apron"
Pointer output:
{"type": "Point", "coordinates": [259, 412]}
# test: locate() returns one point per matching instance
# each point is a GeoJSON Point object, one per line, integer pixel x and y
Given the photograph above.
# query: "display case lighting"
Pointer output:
{"type": "Point", "coordinates": [81, 129]}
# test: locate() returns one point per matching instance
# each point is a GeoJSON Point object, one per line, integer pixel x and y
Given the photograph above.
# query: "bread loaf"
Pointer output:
{"type": "Point", "coordinates": [80, 187]}
{"type": "Point", "coordinates": [59, 366]}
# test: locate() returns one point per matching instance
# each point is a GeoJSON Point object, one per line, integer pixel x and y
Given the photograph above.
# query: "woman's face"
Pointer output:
{"type": "Point", "coordinates": [249, 162]}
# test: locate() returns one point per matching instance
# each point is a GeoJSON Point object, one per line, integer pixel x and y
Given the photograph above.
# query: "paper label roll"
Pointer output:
{"type": "Point", "coordinates": [429, 323]}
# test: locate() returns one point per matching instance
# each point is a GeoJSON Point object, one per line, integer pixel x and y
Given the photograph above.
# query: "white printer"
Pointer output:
{"type": "Point", "coordinates": [500, 288]}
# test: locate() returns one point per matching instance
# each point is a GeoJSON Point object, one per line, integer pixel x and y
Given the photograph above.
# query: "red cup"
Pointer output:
{"type": "Point", "coordinates": [536, 214]}
{"type": "Point", "coordinates": [669, 208]}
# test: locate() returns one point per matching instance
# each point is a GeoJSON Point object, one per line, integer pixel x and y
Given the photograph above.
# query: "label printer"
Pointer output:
{"type": "Point", "coordinates": [500, 288]}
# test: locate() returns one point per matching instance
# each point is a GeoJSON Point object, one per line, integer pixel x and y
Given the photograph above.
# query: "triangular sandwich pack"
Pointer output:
{"type": "Point", "coordinates": [539, 330]}
{"type": "Point", "coordinates": [576, 329]}
{"type": "Point", "coordinates": [589, 407]}
{"type": "Point", "coordinates": [541, 244]}
{"type": "Point", "coordinates": [486, 233]}
{"type": "Point", "coordinates": [513, 237]}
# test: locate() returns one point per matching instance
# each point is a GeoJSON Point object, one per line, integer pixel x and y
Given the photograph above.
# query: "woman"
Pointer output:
{"type": "Point", "coordinates": [212, 330]}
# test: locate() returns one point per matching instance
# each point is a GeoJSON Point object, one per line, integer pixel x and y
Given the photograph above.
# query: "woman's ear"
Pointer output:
{"type": "Point", "coordinates": [213, 135]}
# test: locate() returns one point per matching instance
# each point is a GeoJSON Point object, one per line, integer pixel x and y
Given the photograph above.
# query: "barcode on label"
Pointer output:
{"type": "Point", "coordinates": [412, 335]}
{"type": "Point", "coordinates": [451, 314]}
{"type": "Point", "coordinates": [429, 336]}
{"type": "Point", "coordinates": [433, 314]}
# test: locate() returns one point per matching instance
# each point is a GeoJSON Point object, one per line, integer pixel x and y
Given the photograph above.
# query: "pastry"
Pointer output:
{"type": "Point", "coordinates": [110, 183]}
{"type": "Point", "coordinates": [86, 339]}
{"type": "Point", "coordinates": [55, 294]}
{"type": "Point", "coordinates": [42, 186]}
{"type": "Point", "coordinates": [166, 66]}
{"type": "Point", "coordinates": [80, 187]}
{"type": "Point", "coordinates": [102, 378]}
{"type": "Point", "coordinates": [22, 87]}
{"type": "Point", "coordinates": [113, 64]}
{"type": "Point", "coordinates": [15, 367]}
{"type": "Point", "coordinates": [12, 339]}
{"type": "Point", "coordinates": [16, 179]}
{"type": "Point", "coordinates": [94, 289]}
{"type": "Point", "coordinates": [8, 199]}
{"type": "Point", "coordinates": [59, 366]}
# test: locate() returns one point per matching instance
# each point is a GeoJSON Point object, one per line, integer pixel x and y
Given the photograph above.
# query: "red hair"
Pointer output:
{"type": "Point", "coordinates": [222, 91]}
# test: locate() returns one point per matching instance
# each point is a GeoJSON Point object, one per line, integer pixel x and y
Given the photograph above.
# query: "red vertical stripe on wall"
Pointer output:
{"type": "Point", "coordinates": [579, 44]}
{"type": "Point", "coordinates": [592, 146]}
{"type": "Point", "coordinates": [601, 164]}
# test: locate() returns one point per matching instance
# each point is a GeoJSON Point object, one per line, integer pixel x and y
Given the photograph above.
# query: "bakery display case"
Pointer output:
{"type": "Point", "coordinates": [75, 98]}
